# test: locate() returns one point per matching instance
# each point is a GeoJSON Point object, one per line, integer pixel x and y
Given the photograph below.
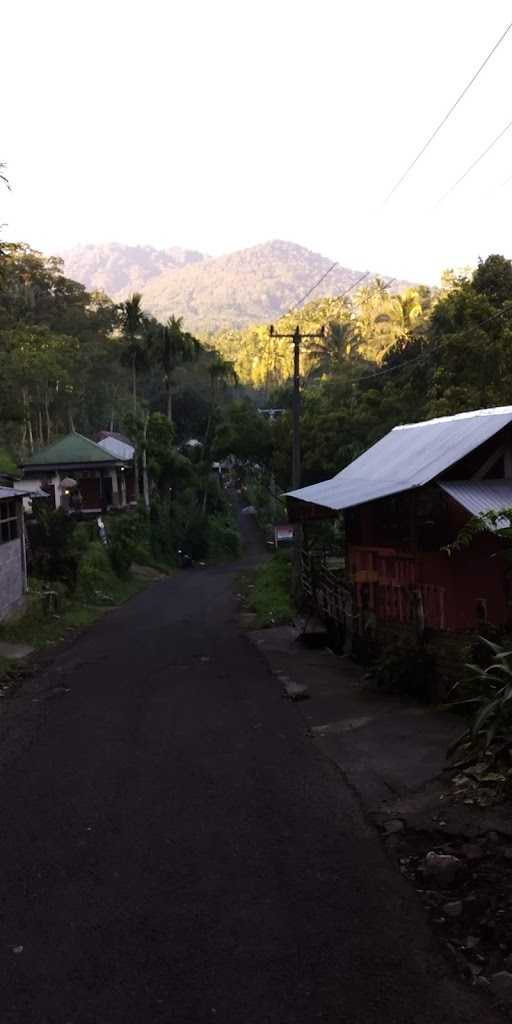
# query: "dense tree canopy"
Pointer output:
{"type": "Point", "coordinates": [74, 359]}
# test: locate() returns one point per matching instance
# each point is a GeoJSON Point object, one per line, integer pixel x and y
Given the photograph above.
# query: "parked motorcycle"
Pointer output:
{"type": "Point", "coordinates": [184, 559]}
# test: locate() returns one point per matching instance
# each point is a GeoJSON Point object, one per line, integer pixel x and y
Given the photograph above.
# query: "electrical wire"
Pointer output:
{"type": "Point", "coordinates": [475, 162]}
{"type": "Point", "coordinates": [311, 290]}
{"type": "Point", "coordinates": [424, 355]}
{"type": "Point", "coordinates": [428, 353]}
{"type": "Point", "coordinates": [449, 113]}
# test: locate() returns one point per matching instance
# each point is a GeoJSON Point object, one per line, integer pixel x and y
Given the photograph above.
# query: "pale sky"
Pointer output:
{"type": "Point", "coordinates": [219, 124]}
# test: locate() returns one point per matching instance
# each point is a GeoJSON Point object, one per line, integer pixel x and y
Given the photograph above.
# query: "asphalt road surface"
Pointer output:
{"type": "Point", "coordinates": [174, 848]}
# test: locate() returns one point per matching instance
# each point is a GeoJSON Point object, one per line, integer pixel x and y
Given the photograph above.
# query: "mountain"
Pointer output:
{"type": "Point", "coordinates": [120, 269]}
{"type": "Point", "coordinates": [253, 285]}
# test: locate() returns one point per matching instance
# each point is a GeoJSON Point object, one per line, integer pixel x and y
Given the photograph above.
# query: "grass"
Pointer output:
{"type": "Point", "coordinates": [268, 592]}
{"type": "Point", "coordinates": [40, 630]}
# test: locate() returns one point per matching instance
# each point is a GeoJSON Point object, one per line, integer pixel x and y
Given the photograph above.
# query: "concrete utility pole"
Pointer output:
{"type": "Point", "coordinates": [297, 337]}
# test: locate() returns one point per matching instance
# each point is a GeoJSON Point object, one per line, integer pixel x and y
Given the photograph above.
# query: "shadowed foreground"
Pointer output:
{"type": "Point", "coordinates": [174, 848]}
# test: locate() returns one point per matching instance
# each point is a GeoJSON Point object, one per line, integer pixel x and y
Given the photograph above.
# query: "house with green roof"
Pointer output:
{"type": "Point", "coordinates": [78, 473]}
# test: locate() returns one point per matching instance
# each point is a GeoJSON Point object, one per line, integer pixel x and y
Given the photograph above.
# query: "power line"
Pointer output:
{"type": "Point", "coordinates": [446, 116]}
{"type": "Point", "coordinates": [311, 290]}
{"type": "Point", "coordinates": [429, 352]}
{"type": "Point", "coordinates": [424, 355]}
{"type": "Point", "coordinates": [352, 286]}
{"type": "Point", "coordinates": [475, 162]}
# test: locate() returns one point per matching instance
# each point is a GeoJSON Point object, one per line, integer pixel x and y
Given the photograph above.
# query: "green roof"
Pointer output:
{"type": "Point", "coordinates": [69, 451]}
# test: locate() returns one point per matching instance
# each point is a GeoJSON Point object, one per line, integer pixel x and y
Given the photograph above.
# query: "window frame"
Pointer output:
{"type": "Point", "coordinates": [9, 520]}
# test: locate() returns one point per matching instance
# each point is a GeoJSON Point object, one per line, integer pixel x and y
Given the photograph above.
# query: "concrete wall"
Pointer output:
{"type": "Point", "coordinates": [12, 583]}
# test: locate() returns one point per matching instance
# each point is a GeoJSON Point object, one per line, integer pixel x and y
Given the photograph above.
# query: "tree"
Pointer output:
{"type": "Point", "coordinates": [174, 346]}
{"type": "Point", "coordinates": [493, 278]}
{"type": "Point", "coordinates": [132, 326]}
{"type": "Point", "coordinates": [340, 342]}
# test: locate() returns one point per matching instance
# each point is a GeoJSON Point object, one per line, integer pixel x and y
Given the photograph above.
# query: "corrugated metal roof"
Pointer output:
{"type": "Point", "coordinates": [480, 496]}
{"type": "Point", "coordinates": [28, 490]}
{"type": "Point", "coordinates": [71, 450]}
{"type": "Point", "coordinates": [409, 456]}
{"type": "Point", "coordinates": [119, 449]}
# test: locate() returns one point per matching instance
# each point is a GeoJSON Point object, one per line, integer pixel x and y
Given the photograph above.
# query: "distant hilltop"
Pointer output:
{"type": "Point", "coordinates": [254, 285]}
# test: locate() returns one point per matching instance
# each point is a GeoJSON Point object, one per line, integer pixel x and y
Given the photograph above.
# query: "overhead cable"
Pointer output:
{"type": "Point", "coordinates": [475, 162]}
{"type": "Point", "coordinates": [446, 116]}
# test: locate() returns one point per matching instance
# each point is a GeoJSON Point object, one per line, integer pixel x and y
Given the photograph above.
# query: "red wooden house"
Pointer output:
{"type": "Point", "coordinates": [402, 501]}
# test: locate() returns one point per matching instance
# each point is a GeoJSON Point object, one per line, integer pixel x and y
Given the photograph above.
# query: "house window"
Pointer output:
{"type": "Point", "coordinates": [9, 529]}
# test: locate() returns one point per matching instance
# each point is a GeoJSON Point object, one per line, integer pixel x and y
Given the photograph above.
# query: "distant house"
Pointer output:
{"type": "Point", "coordinates": [76, 464]}
{"type": "Point", "coordinates": [122, 448]}
{"type": "Point", "coordinates": [402, 501]}
{"type": "Point", "coordinates": [13, 568]}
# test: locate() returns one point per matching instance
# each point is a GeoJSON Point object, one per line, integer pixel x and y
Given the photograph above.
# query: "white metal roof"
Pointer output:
{"type": "Point", "coordinates": [480, 496]}
{"type": "Point", "coordinates": [409, 456]}
{"type": "Point", "coordinates": [119, 449]}
{"type": "Point", "coordinates": [28, 490]}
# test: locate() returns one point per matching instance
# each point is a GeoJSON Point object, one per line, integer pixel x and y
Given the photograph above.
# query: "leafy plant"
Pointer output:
{"type": "Point", "coordinates": [269, 593]}
{"type": "Point", "coordinates": [55, 547]}
{"type": "Point", "coordinates": [125, 537]}
{"type": "Point", "coordinates": [95, 580]}
{"type": "Point", "coordinates": [492, 703]}
{"type": "Point", "coordinates": [405, 667]}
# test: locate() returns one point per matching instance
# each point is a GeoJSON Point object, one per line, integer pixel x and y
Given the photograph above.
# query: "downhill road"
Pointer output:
{"type": "Point", "coordinates": [175, 849]}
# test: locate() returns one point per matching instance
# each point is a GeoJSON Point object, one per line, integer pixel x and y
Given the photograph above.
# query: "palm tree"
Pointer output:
{"type": "Point", "coordinates": [340, 342]}
{"type": "Point", "coordinates": [408, 308]}
{"type": "Point", "coordinates": [132, 326]}
{"type": "Point", "coordinates": [222, 375]}
{"type": "Point", "coordinates": [175, 346]}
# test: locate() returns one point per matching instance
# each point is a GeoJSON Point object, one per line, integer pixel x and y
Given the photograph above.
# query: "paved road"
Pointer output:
{"type": "Point", "coordinates": [174, 849]}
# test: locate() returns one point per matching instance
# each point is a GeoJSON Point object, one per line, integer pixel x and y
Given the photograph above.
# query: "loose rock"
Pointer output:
{"type": "Point", "coordinates": [441, 866]}
{"type": "Point", "coordinates": [501, 984]}
{"type": "Point", "coordinates": [454, 908]}
{"type": "Point", "coordinates": [395, 825]}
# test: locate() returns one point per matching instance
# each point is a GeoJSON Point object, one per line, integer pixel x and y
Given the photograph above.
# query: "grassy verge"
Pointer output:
{"type": "Point", "coordinates": [268, 592]}
{"type": "Point", "coordinates": [40, 630]}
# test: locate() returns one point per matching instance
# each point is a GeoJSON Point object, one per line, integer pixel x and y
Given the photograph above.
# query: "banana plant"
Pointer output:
{"type": "Point", "coordinates": [491, 723]}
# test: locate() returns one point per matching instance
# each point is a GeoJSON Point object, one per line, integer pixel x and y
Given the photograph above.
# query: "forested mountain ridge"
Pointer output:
{"type": "Point", "coordinates": [119, 269]}
{"type": "Point", "coordinates": [252, 285]}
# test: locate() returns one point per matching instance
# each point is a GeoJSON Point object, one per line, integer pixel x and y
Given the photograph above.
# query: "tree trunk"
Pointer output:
{"type": "Point", "coordinates": [71, 420]}
{"type": "Point", "coordinates": [134, 383]}
{"type": "Point", "coordinates": [48, 420]}
{"type": "Point", "coordinates": [40, 435]}
{"type": "Point", "coordinates": [111, 427]}
{"type": "Point", "coordinates": [169, 401]}
{"type": "Point", "coordinates": [28, 421]}
{"type": "Point", "coordinates": [136, 482]}
{"type": "Point", "coordinates": [145, 479]}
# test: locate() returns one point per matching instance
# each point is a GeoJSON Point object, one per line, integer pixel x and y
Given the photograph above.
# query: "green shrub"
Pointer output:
{"type": "Point", "coordinates": [96, 581]}
{"type": "Point", "coordinates": [55, 546]}
{"type": "Point", "coordinates": [223, 537]}
{"type": "Point", "coordinates": [126, 534]}
{"type": "Point", "coordinates": [270, 595]}
{"type": "Point", "coordinates": [490, 698]}
{"type": "Point", "coordinates": [405, 667]}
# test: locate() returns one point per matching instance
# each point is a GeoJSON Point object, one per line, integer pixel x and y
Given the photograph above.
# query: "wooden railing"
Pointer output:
{"type": "Point", "coordinates": [381, 585]}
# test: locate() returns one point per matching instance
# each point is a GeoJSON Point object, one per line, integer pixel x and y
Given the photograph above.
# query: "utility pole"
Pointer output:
{"type": "Point", "coordinates": [297, 337]}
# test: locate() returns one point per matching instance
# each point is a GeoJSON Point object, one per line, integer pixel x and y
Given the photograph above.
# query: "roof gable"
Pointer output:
{"type": "Point", "coordinates": [70, 450]}
{"type": "Point", "coordinates": [409, 456]}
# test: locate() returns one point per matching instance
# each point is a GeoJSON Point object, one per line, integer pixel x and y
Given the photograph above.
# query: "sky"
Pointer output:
{"type": "Point", "coordinates": [221, 124]}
